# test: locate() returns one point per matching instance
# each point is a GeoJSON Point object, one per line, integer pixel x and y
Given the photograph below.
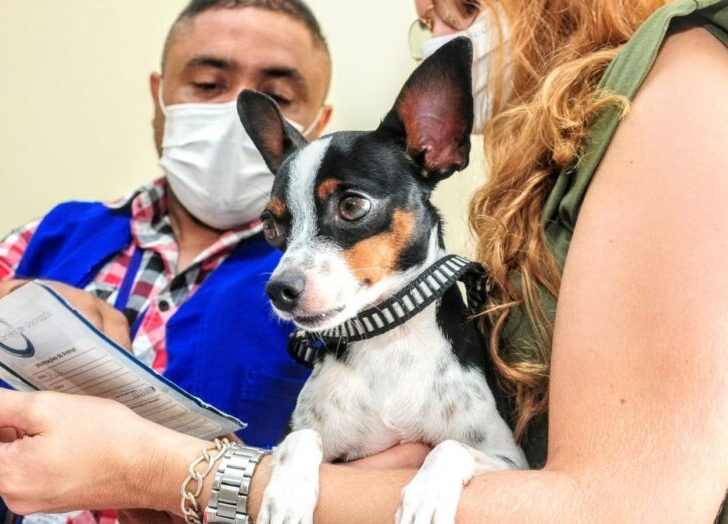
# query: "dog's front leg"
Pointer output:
{"type": "Point", "coordinates": [433, 494]}
{"type": "Point", "coordinates": [292, 491]}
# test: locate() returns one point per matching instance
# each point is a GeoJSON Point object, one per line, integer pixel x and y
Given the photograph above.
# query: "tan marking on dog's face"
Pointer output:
{"type": "Point", "coordinates": [276, 207]}
{"type": "Point", "coordinates": [373, 258]}
{"type": "Point", "coordinates": [327, 187]}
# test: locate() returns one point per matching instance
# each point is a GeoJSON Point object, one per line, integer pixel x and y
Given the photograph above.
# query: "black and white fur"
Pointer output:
{"type": "Point", "coordinates": [351, 211]}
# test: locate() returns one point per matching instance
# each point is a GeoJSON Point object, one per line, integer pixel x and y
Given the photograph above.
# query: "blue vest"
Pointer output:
{"type": "Point", "coordinates": [223, 344]}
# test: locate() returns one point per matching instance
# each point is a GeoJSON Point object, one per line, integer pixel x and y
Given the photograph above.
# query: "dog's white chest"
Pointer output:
{"type": "Point", "coordinates": [400, 387]}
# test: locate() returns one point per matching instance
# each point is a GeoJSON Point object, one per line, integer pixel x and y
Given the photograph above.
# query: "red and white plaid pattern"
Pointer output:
{"type": "Point", "coordinates": [13, 247]}
{"type": "Point", "coordinates": [158, 289]}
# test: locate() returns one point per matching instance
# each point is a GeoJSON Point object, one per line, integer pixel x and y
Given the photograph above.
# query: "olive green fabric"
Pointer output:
{"type": "Point", "coordinates": [623, 77]}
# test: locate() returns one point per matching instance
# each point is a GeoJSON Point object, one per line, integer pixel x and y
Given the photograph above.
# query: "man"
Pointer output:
{"type": "Point", "coordinates": [177, 269]}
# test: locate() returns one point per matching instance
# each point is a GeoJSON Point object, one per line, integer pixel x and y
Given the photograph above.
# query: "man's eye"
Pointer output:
{"type": "Point", "coordinates": [280, 100]}
{"type": "Point", "coordinates": [352, 208]}
{"type": "Point", "coordinates": [208, 87]}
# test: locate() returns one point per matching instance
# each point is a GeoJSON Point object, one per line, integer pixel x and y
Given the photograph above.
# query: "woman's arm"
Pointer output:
{"type": "Point", "coordinates": [84, 452]}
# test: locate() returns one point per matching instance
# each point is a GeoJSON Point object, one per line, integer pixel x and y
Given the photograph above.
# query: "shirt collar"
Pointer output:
{"type": "Point", "coordinates": [151, 226]}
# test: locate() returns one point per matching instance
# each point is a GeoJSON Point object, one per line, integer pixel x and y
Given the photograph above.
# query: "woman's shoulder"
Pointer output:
{"type": "Point", "coordinates": [680, 112]}
{"type": "Point", "coordinates": [676, 130]}
{"type": "Point", "coordinates": [691, 62]}
{"type": "Point", "coordinates": [661, 187]}
{"type": "Point", "coordinates": [678, 109]}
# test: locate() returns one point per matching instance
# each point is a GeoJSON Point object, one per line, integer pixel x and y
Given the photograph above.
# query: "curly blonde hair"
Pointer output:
{"type": "Point", "coordinates": [545, 76]}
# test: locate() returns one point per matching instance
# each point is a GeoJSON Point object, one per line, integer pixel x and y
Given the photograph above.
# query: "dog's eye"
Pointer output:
{"type": "Point", "coordinates": [270, 230]}
{"type": "Point", "coordinates": [353, 208]}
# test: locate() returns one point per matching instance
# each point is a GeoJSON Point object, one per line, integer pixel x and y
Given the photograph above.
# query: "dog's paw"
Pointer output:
{"type": "Point", "coordinates": [432, 496]}
{"type": "Point", "coordinates": [289, 503]}
{"type": "Point", "coordinates": [429, 500]}
{"type": "Point", "coordinates": [292, 491]}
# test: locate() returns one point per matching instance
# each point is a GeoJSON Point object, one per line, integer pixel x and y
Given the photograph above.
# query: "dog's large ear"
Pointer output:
{"type": "Point", "coordinates": [433, 114]}
{"type": "Point", "coordinates": [274, 137]}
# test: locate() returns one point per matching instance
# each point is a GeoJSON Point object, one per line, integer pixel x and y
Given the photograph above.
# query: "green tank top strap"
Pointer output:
{"type": "Point", "coordinates": [624, 77]}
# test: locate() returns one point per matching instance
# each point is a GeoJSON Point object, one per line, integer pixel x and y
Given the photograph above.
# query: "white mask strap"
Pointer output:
{"type": "Point", "coordinates": [312, 125]}
{"type": "Point", "coordinates": [160, 97]}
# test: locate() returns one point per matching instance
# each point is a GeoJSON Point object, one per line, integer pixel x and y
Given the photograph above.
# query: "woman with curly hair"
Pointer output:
{"type": "Point", "coordinates": [603, 226]}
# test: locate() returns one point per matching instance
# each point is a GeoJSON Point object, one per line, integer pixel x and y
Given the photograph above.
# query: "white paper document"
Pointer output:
{"type": "Point", "coordinates": [45, 344]}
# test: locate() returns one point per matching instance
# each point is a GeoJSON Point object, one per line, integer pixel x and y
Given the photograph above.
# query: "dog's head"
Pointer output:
{"type": "Point", "coordinates": [351, 210]}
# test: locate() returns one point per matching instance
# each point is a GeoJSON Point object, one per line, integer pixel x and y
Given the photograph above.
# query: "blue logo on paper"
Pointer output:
{"type": "Point", "coordinates": [14, 335]}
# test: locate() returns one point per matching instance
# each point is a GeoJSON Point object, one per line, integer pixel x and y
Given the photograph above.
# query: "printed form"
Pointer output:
{"type": "Point", "coordinates": [45, 344]}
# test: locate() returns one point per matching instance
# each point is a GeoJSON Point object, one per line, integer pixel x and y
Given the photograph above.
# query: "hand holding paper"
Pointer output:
{"type": "Point", "coordinates": [45, 344]}
{"type": "Point", "coordinates": [88, 452]}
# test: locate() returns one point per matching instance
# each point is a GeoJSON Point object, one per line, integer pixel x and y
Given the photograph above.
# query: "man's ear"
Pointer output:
{"type": "Point", "coordinates": [433, 114]}
{"type": "Point", "coordinates": [274, 137]}
{"type": "Point", "coordinates": [158, 117]}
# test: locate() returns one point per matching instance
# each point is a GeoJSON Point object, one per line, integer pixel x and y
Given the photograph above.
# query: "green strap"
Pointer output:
{"type": "Point", "coordinates": [624, 77]}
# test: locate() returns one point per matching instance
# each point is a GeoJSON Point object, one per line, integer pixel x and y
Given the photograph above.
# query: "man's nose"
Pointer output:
{"type": "Point", "coordinates": [285, 289]}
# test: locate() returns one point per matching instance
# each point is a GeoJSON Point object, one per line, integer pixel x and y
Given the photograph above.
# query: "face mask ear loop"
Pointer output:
{"type": "Point", "coordinates": [313, 124]}
{"type": "Point", "coordinates": [160, 99]}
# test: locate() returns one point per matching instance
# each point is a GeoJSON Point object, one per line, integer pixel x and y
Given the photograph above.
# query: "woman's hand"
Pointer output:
{"type": "Point", "coordinates": [81, 452]}
{"type": "Point", "coordinates": [401, 456]}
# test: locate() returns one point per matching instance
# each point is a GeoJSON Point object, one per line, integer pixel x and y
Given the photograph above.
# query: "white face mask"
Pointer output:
{"type": "Point", "coordinates": [483, 47]}
{"type": "Point", "coordinates": [212, 165]}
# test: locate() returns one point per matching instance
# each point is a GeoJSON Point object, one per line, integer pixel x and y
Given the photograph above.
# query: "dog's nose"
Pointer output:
{"type": "Point", "coordinates": [285, 290]}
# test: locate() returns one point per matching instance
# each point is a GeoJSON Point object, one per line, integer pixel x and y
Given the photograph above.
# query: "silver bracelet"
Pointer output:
{"type": "Point", "coordinates": [228, 501]}
{"type": "Point", "coordinates": [210, 455]}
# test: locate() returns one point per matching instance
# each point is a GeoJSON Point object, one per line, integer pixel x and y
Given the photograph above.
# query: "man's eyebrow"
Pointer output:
{"type": "Point", "coordinates": [212, 61]}
{"type": "Point", "coordinates": [285, 72]}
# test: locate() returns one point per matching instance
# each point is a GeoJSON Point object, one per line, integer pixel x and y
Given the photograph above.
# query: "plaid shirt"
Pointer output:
{"type": "Point", "coordinates": [158, 289]}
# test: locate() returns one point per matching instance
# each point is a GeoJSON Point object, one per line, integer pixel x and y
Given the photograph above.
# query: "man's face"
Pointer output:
{"type": "Point", "coordinates": [217, 54]}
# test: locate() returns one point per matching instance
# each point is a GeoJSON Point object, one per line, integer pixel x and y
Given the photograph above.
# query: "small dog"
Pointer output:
{"type": "Point", "coordinates": [352, 213]}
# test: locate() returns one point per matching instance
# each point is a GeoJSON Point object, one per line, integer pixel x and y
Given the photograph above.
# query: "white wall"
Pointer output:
{"type": "Point", "coordinates": [75, 112]}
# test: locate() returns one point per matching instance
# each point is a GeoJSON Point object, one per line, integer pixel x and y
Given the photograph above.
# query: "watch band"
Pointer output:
{"type": "Point", "coordinates": [229, 496]}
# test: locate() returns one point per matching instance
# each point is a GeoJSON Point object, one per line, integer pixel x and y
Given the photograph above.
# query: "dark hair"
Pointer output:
{"type": "Point", "coordinates": [293, 8]}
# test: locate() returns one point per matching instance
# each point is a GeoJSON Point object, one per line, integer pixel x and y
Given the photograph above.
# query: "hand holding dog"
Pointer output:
{"type": "Point", "coordinates": [402, 456]}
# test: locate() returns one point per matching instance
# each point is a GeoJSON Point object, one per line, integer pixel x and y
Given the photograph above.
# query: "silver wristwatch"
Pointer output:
{"type": "Point", "coordinates": [229, 496]}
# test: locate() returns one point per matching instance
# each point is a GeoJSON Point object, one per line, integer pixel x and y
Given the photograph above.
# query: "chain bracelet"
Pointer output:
{"type": "Point", "coordinates": [190, 507]}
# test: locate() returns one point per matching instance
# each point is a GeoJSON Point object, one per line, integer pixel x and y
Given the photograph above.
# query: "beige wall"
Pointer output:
{"type": "Point", "coordinates": [75, 110]}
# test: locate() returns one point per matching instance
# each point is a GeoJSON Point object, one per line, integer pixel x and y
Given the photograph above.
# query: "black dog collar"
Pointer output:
{"type": "Point", "coordinates": [309, 347]}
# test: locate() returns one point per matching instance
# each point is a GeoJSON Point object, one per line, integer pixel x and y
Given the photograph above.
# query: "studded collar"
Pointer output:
{"type": "Point", "coordinates": [308, 347]}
